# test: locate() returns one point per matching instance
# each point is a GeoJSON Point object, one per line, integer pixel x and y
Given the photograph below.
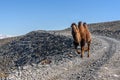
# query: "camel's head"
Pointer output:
{"type": "Point", "coordinates": [74, 27]}
{"type": "Point", "coordinates": [75, 32]}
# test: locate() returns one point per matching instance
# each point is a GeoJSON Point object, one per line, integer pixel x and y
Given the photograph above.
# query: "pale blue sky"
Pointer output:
{"type": "Point", "coordinates": [19, 17]}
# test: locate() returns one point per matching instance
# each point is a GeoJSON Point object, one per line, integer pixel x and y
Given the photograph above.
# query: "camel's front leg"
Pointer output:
{"type": "Point", "coordinates": [76, 45]}
{"type": "Point", "coordinates": [82, 48]}
{"type": "Point", "coordinates": [89, 49]}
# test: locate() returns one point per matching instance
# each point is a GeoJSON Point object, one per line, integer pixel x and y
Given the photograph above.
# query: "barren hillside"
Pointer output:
{"type": "Point", "coordinates": [50, 55]}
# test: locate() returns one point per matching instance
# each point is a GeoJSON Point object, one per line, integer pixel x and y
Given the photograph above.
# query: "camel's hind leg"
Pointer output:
{"type": "Point", "coordinates": [82, 47]}
{"type": "Point", "coordinates": [89, 48]}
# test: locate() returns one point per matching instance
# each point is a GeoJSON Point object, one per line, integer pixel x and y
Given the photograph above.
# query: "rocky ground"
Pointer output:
{"type": "Point", "coordinates": [50, 55]}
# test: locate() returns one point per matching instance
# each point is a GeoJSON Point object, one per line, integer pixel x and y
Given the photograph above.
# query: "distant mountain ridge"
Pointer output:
{"type": "Point", "coordinates": [2, 36]}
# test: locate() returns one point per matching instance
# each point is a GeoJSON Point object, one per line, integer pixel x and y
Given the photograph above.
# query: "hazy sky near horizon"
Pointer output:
{"type": "Point", "coordinates": [19, 17]}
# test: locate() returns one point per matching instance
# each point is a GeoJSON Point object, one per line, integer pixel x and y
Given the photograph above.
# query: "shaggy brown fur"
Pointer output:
{"type": "Point", "coordinates": [81, 35]}
{"type": "Point", "coordinates": [76, 36]}
{"type": "Point", "coordinates": [88, 37]}
{"type": "Point", "coordinates": [82, 32]}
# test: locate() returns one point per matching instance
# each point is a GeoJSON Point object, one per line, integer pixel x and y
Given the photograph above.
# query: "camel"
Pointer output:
{"type": "Point", "coordinates": [85, 38]}
{"type": "Point", "coordinates": [88, 37]}
{"type": "Point", "coordinates": [76, 36]}
{"type": "Point", "coordinates": [81, 36]}
{"type": "Point", "coordinates": [82, 32]}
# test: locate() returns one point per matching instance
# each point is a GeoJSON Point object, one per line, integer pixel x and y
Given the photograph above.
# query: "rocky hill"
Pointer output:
{"type": "Point", "coordinates": [50, 55]}
{"type": "Point", "coordinates": [33, 48]}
